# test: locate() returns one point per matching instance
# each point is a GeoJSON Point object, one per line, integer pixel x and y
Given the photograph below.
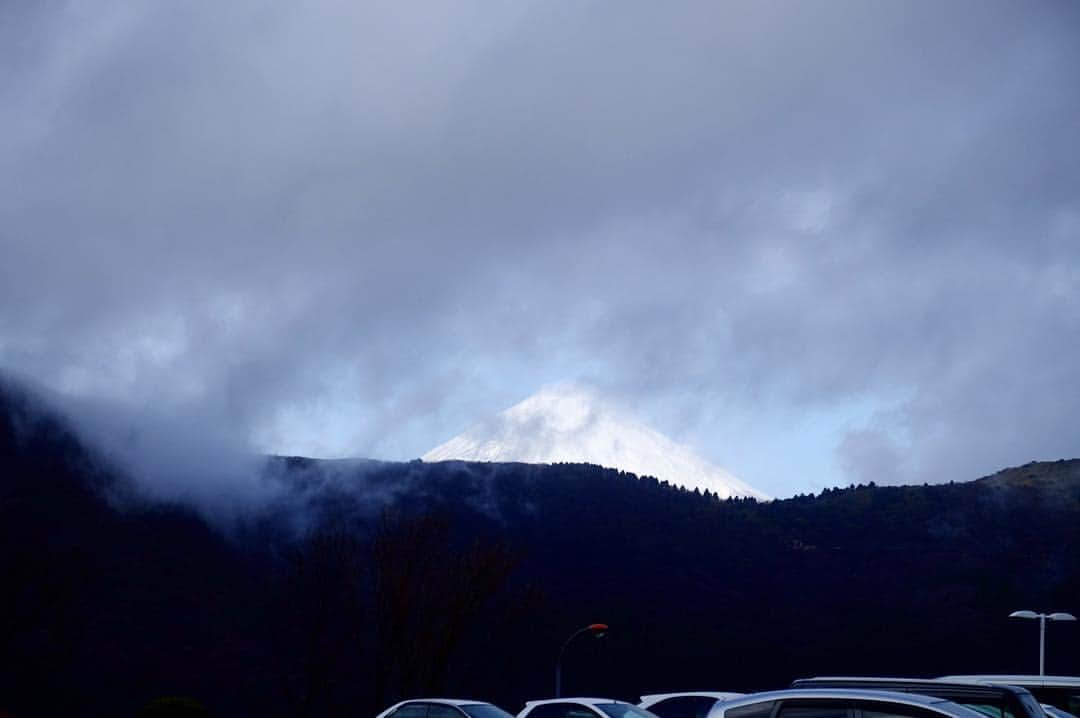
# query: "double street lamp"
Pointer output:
{"type": "Point", "coordinates": [598, 630]}
{"type": "Point", "coordinates": [1043, 618]}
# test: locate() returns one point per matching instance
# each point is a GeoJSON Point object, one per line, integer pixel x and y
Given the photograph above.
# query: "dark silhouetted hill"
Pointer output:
{"type": "Point", "coordinates": [365, 581]}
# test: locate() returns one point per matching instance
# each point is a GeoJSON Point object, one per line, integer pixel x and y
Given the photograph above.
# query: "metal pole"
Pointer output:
{"type": "Point", "coordinates": [598, 629]}
{"type": "Point", "coordinates": [558, 662]}
{"type": "Point", "coordinates": [1042, 644]}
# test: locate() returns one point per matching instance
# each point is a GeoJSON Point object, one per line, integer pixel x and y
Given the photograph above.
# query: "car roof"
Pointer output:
{"type": "Point", "coordinates": [458, 702]}
{"type": "Point", "coordinates": [912, 699]}
{"type": "Point", "coordinates": [719, 695]}
{"type": "Point", "coordinates": [573, 699]}
{"type": "Point", "coordinates": [971, 689]}
{"type": "Point", "coordinates": [827, 692]}
{"type": "Point", "coordinates": [1018, 680]}
{"type": "Point", "coordinates": [443, 701]}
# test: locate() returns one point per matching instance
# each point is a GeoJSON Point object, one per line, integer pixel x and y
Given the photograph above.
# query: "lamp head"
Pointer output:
{"type": "Point", "coordinates": [599, 629]}
{"type": "Point", "coordinates": [1061, 617]}
{"type": "Point", "coordinates": [1023, 614]}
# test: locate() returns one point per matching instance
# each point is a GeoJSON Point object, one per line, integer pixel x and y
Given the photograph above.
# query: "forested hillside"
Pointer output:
{"type": "Point", "coordinates": [364, 582]}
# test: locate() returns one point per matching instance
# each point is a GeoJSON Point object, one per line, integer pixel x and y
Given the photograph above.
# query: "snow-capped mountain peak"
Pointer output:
{"type": "Point", "coordinates": [572, 423]}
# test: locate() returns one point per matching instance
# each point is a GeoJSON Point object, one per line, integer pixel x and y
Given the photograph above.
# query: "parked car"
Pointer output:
{"type": "Point", "coordinates": [1055, 712]}
{"type": "Point", "coordinates": [992, 700]}
{"type": "Point", "coordinates": [684, 705]}
{"type": "Point", "coordinates": [583, 708]}
{"type": "Point", "coordinates": [840, 703]}
{"type": "Point", "coordinates": [1060, 691]}
{"type": "Point", "coordinates": [443, 708]}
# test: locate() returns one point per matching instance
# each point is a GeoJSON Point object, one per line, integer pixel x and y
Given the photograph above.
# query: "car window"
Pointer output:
{"type": "Point", "coordinates": [579, 711]}
{"type": "Point", "coordinates": [411, 710]}
{"type": "Point", "coordinates": [763, 709]}
{"type": "Point", "coordinates": [436, 710]}
{"type": "Point", "coordinates": [623, 710]}
{"type": "Point", "coordinates": [992, 710]}
{"type": "Point", "coordinates": [895, 710]}
{"type": "Point", "coordinates": [548, 710]}
{"type": "Point", "coordinates": [1064, 698]}
{"type": "Point", "coordinates": [484, 710]}
{"type": "Point", "coordinates": [683, 707]}
{"type": "Point", "coordinates": [813, 709]}
{"type": "Point", "coordinates": [1055, 712]}
{"type": "Point", "coordinates": [561, 710]}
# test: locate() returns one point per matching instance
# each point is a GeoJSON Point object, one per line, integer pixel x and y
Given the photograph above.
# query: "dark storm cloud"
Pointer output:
{"type": "Point", "coordinates": [365, 223]}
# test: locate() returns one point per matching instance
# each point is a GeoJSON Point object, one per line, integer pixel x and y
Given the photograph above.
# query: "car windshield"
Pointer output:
{"type": "Point", "coordinates": [485, 710]}
{"type": "Point", "coordinates": [624, 710]}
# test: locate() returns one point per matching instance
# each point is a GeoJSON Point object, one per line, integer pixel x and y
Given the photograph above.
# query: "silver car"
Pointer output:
{"type": "Point", "coordinates": [840, 703]}
{"type": "Point", "coordinates": [687, 704]}
{"type": "Point", "coordinates": [582, 708]}
{"type": "Point", "coordinates": [443, 708]}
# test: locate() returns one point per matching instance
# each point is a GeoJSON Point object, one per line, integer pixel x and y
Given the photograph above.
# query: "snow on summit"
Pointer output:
{"type": "Point", "coordinates": [570, 423]}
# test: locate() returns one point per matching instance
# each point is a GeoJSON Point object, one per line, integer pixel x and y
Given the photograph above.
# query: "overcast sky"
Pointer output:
{"type": "Point", "coordinates": [821, 242]}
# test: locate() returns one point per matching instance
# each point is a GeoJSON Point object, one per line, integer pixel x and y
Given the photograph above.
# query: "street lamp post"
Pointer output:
{"type": "Point", "coordinates": [597, 629]}
{"type": "Point", "coordinates": [1043, 617]}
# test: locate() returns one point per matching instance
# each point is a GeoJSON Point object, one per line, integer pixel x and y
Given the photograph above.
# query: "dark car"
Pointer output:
{"type": "Point", "coordinates": [1060, 691]}
{"type": "Point", "coordinates": [1055, 712]}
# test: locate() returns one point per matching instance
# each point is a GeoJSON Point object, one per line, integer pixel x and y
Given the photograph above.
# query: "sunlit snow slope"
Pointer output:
{"type": "Point", "coordinates": [570, 423]}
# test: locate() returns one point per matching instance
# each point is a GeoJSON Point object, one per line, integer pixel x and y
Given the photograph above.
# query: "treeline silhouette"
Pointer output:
{"type": "Point", "coordinates": [368, 582]}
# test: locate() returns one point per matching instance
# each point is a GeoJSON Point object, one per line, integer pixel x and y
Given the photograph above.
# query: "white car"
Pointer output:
{"type": "Point", "coordinates": [443, 708]}
{"type": "Point", "coordinates": [583, 708]}
{"type": "Point", "coordinates": [689, 704]}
